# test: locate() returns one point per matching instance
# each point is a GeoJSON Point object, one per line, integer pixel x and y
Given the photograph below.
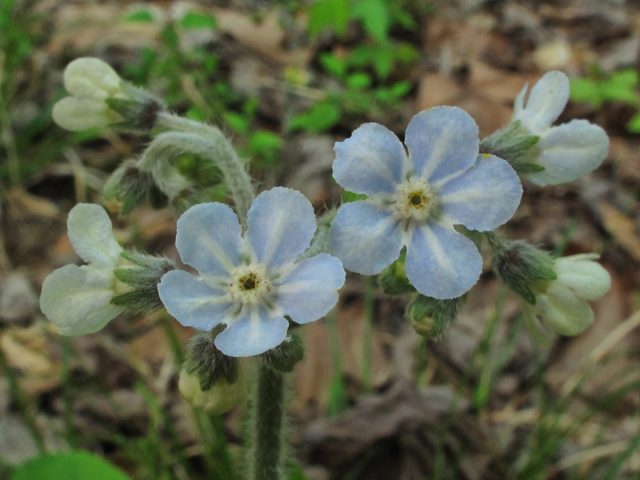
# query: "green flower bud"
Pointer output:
{"type": "Point", "coordinates": [211, 365]}
{"type": "Point", "coordinates": [393, 279]}
{"type": "Point", "coordinates": [516, 145]}
{"type": "Point", "coordinates": [129, 187]}
{"type": "Point", "coordinates": [520, 265]}
{"type": "Point", "coordinates": [286, 355]}
{"type": "Point", "coordinates": [221, 397]}
{"type": "Point", "coordinates": [139, 278]}
{"type": "Point", "coordinates": [430, 317]}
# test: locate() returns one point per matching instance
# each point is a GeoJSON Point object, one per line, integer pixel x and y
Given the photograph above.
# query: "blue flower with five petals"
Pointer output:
{"type": "Point", "coordinates": [416, 200]}
{"type": "Point", "coordinates": [250, 282]}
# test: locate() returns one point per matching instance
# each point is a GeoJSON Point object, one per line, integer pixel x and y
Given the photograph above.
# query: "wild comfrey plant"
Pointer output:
{"type": "Point", "coordinates": [265, 264]}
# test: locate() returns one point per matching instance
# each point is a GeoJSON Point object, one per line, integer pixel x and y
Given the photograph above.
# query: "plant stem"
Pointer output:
{"type": "Point", "coordinates": [367, 341]}
{"type": "Point", "coordinates": [18, 397]}
{"type": "Point", "coordinates": [267, 450]}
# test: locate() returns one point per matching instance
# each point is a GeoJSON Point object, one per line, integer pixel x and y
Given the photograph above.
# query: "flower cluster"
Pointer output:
{"type": "Point", "coordinates": [249, 283]}
{"type": "Point", "coordinates": [416, 200]}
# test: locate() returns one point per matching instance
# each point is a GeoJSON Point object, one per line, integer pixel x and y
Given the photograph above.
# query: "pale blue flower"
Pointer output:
{"type": "Point", "coordinates": [566, 151]}
{"type": "Point", "coordinates": [416, 200]}
{"type": "Point", "coordinates": [250, 283]}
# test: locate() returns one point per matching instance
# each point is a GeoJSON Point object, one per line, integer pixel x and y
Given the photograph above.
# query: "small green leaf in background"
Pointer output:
{"type": "Point", "coordinates": [328, 13]}
{"type": "Point", "coordinates": [75, 465]}
{"type": "Point", "coordinates": [375, 17]}
{"type": "Point", "coordinates": [333, 64]}
{"type": "Point", "coordinates": [197, 20]}
{"type": "Point", "coordinates": [585, 90]}
{"type": "Point", "coordinates": [359, 80]}
{"type": "Point", "coordinates": [634, 124]}
{"type": "Point", "coordinates": [237, 122]}
{"type": "Point", "coordinates": [621, 86]}
{"type": "Point", "coordinates": [140, 16]}
{"type": "Point", "coordinates": [318, 118]}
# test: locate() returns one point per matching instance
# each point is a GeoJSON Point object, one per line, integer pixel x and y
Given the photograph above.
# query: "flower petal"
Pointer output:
{"type": "Point", "coordinates": [365, 238]}
{"type": "Point", "coordinates": [546, 102]}
{"type": "Point", "coordinates": [77, 299]}
{"type": "Point", "coordinates": [281, 225]}
{"type": "Point", "coordinates": [91, 234]}
{"type": "Point", "coordinates": [252, 334]}
{"type": "Point", "coordinates": [89, 77]}
{"type": "Point", "coordinates": [485, 196]}
{"type": "Point", "coordinates": [518, 104]}
{"type": "Point", "coordinates": [310, 291]}
{"type": "Point", "coordinates": [192, 301]}
{"type": "Point", "coordinates": [371, 161]}
{"type": "Point", "coordinates": [76, 115]}
{"type": "Point", "coordinates": [588, 279]}
{"type": "Point", "coordinates": [441, 142]}
{"type": "Point", "coordinates": [568, 151]}
{"type": "Point", "coordinates": [208, 239]}
{"type": "Point", "coordinates": [563, 311]}
{"type": "Point", "coordinates": [441, 262]}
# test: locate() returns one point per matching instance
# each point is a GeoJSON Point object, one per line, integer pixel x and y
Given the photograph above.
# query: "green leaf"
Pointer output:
{"type": "Point", "coordinates": [237, 122]}
{"type": "Point", "coordinates": [333, 64]}
{"type": "Point", "coordinates": [141, 16]}
{"type": "Point", "coordinates": [634, 124]}
{"type": "Point", "coordinates": [348, 197]}
{"type": "Point", "coordinates": [318, 118]}
{"type": "Point", "coordinates": [585, 90]}
{"type": "Point", "coordinates": [75, 465]}
{"type": "Point", "coordinates": [359, 80]}
{"type": "Point", "coordinates": [198, 20]}
{"type": "Point", "coordinates": [328, 13]}
{"type": "Point", "coordinates": [264, 140]}
{"type": "Point", "coordinates": [375, 17]}
{"type": "Point", "coordinates": [383, 62]}
{"type": "Point", "coordinates": [400, 89]}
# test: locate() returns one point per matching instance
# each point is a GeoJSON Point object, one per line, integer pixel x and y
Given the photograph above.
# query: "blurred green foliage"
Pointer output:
{"type": "Point", "coordinates": [621, 86]}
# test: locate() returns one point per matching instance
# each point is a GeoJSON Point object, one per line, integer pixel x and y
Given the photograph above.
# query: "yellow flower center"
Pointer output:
{"type": "Point", "coordinates": [249, 284]}
{"type": "Point", "coordinates": [414, 200]}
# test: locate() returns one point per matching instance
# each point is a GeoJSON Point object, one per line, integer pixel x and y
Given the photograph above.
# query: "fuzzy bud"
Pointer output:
{"type": "Point", "coordinates": [520, 265]}
{"type": "Point", "coordinates": [210, 364]}
{"type": "Point", "coordinates": [129, 187]}
{"type": "Point", "coordinates": [430, 317]}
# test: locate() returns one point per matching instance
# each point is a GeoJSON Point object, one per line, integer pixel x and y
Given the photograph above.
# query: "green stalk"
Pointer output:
{"type": "Point", "coordinates": [18, 396]}
{"type": "Point", "coordinates": [367, 341]}
{"type": "Point", "coordinates": [267, 452]}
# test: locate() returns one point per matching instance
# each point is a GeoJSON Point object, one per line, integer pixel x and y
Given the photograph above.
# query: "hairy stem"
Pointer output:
{"type": "Point", "coordinates": [267, 452]}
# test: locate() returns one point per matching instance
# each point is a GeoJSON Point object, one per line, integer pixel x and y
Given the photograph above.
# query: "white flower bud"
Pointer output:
{"type": "Point", "coordinates": [562, 303]}
{"type": "Point", "coordinates": [90, 81]}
